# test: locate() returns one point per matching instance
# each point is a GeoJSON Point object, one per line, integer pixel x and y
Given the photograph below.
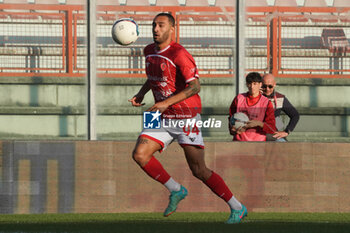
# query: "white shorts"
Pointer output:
{"type": "Point", "coordinates": [173, 129]}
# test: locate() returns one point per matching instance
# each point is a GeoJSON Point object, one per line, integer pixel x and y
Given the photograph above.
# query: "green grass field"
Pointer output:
{"type": "Point", "coordinates": [178, 222]}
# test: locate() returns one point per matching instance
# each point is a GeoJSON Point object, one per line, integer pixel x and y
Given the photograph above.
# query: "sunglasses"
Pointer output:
{"type": "Point", "coordinates": [266, 86]}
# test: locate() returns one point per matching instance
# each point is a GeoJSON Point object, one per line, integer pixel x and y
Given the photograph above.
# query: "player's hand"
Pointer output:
{"type": "Point", "coordinates": [160, 106]}
{"type": "Point", "coordinates": [136, 101]}
{"type": "Point", "coordinates": [234, 130]}
{"type": "Point", "coordinates": [280, 134]}
{"type": "Point", "coordinates": [254, 123]}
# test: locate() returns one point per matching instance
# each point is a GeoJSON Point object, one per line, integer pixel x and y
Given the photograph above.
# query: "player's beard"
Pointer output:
{"type": "Point", "coordinates": [161, 39]}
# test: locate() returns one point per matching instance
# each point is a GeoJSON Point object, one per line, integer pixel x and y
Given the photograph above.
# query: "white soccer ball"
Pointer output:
{"type": "Point", "coordinates": [125, 31]}
{"type": "Point", "coordinates": [239, 119]}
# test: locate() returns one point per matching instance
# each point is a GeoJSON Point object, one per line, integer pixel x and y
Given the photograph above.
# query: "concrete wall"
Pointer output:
{"type": "Point", "coordinates": [100, 176]}
{"type": "Point", "coordinates": [43, 108]}
{"type": "Point", "coordinates": [215, 92]}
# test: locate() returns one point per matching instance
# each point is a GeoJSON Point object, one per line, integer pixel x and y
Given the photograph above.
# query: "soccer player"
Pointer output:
{"type": "Point", "coordinates": [280, 103]}
{"type": "Point", "coordinates": [172, 76]}
{"type": "Point", "coordinates": [257, 107]}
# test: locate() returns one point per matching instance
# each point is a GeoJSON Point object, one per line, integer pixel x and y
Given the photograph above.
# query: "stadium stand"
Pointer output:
{"type": "Point", "coordinates": [231, 3]}
{"type": "Point", "coordinates": [15, 1]}
{"type": "Point", "coordinates": [75, 2]}
{"type": "Point", "coordinates": [334, 40]}
{"type": "Point", "coordinates": [135, 3]}
{"type": "Point", "coordinates": [329, 3]}
{"type": "Point", "coordinates": [249, 3]}
{"type": "Point", "coordinates": [53, 2]}
{"type": "Point", "coordinates": [166, 3]}
{"type": "Point", "coordinates": [315, 3]}
{"type": "Point", "coordinates": [341, 3]}
{"type": "Point", "coordinates": [301, 39]}
{"type": "Point", "coordinates": [197, 3]}
{"type": "Point", "coordinates": [110, 2]}
{"type": "Point", "coordinates": [286, 3]}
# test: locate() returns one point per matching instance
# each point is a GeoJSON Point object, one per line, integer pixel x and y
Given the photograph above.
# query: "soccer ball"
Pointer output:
{"type": "Point", "coordinates": [239, 119]}
{"type": "Point", "coordinates": [125, 31]}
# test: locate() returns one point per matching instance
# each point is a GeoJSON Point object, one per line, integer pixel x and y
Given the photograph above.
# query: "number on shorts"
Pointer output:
{"type": "Point", "coordinates": [187, 130]}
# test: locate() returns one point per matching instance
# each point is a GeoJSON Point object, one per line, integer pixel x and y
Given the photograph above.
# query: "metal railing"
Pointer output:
{"type": "Point", "coordinates": [49, 40]}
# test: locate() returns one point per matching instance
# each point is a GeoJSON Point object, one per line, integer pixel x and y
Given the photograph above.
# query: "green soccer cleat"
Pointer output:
{"type": "Point", "coordinates": [174, 199]}
{"type": "Point", "coordinates": [236, 216]}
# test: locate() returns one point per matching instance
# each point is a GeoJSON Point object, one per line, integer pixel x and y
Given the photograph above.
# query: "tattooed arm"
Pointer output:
{"type": "Point", "coordinates": [192, 89]}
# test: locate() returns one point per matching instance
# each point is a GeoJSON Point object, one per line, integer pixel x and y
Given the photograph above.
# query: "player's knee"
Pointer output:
{"type": "Point", "coordinates": [139, 156]}
{"type": "Point", "coordinates": [136, 155]}
{"type": "Point", "coordinates": [198, 173]}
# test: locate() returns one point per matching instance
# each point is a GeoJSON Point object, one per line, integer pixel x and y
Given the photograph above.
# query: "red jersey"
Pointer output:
{"type": "Point", "coordinates": [258, 108]}
{"type": "Point", "coordinates": [169, 71]}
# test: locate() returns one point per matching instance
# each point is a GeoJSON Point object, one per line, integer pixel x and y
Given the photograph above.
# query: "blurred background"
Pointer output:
{"type": "Point", "coordinates": [43, 63]}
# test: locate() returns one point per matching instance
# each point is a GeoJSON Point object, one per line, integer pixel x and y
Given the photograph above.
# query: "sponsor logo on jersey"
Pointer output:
{"type": "Point", "coordinates": [163, 66]}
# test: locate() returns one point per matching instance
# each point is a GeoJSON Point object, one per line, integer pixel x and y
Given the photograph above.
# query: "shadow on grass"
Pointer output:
{"type": "Point", "coordinates": [175, 227]}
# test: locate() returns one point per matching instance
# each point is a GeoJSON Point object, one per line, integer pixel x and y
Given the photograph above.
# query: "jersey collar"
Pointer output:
{"type": "Point", "coordinates": [166, 48]}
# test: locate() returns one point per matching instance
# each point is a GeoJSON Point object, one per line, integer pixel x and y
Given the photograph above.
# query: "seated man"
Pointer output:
{"type": "Point", "coordinates": [280, 103]}
{"type": "Point", "coordinates": [259, 110]}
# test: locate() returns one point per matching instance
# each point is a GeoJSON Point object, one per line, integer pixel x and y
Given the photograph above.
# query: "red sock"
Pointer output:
{"type": "Point", "coordinates": [218, 186]}
{"type": "Point", "coordinates": [155, 170]}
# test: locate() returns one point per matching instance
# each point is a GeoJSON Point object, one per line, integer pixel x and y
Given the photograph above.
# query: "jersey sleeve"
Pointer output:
{"type": "Point", "coordinates": [233, 107]}
{"type": "Point", "coordinates": [186, 65]}
{"type": "Point", "coordinates": [292, 113]}
{"type": "Point", "coordinates": [232, 110]}
{"type": "Point", "coordinates": [269, 121]}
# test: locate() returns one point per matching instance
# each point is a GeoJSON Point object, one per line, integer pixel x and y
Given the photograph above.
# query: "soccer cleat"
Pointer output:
{"type": "Point", "coordinates": [236, 216]}
{"type": "Point", "coordinates": [174, 199]}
